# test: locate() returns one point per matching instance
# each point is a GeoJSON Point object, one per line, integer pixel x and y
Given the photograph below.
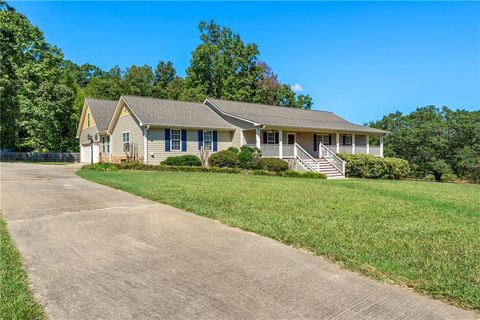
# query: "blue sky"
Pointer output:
{"type": "Point", "coordinates": [359, 59]}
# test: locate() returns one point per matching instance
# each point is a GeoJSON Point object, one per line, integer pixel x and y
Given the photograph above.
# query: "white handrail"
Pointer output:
{"type": "Point", "coordinates": [336, 158]}
{"type": "Point", "coordinates": [297, 146]}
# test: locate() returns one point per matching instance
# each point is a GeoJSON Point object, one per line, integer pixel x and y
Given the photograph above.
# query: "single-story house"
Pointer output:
{"type": "Point", "coordinates": [150, 130]}
{"type": "Point", "coordinates": [92, 129]}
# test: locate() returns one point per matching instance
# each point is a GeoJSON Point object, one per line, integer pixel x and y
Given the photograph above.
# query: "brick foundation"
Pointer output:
{"type": "Point", "coordinates": [118, 158]}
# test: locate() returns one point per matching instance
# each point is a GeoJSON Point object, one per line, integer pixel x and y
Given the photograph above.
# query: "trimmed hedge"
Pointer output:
{"type": "Point", "coordinates": [148, 167]}
{"type": "Point", "coordinates": [273, 164]}
{"type": "Point", "coordinates": [186, 160]}
{"type": "Point", "coordinates": [224, 158]}
{"type": "Point", "coordinates": [371, 167]}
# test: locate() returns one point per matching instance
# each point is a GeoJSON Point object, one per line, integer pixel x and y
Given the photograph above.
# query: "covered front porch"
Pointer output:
{"type": "Point", "coordinates": [282, 143]}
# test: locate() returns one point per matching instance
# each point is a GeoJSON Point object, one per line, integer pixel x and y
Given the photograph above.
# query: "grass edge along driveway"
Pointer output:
{"type": "Point", "coordinates": [418, 234]}
{"type": "Point", "coordinates": [16, 299]}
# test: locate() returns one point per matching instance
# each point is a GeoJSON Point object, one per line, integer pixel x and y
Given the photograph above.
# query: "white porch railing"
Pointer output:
{"type": "Point", "coordinates": [331, 157]}
{"type": "Point", "coordinates": [273, 150]}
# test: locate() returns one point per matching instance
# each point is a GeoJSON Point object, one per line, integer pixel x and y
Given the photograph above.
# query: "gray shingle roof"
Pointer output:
{"type": "Point", "coordinates": [151, 111]}
{"type": "Point", "coordinates": [102, 111]}
{"type": "Point", "coordinates": [289, 117]}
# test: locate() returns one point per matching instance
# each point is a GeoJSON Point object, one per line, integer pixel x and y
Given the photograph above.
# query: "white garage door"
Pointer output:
{"type": "Point", "coordinates": [85, 153]}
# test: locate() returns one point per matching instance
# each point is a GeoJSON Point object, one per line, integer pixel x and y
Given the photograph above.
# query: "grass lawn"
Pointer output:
{"type": "Point", "coordinates": [423, 235]}
{"type": "Point", "coordinates": [16, 300]}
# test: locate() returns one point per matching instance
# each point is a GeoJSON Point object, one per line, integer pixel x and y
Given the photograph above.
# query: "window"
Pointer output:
{"type": "Point", "coordinates": [271, 137]}
{"type": "Point", "coordinates": [347, 140]}
{"type": "Point", "coordinates": [323, 138]}
{"type": "Point", "coordinates": [88, 120]}
{"type": "Point", "coordinates": [106, 144]}
{"type": "Point", "coordinates": [176, 140]}
{"type": "Point", "coordinates": [207, 140]}
{"type": "Point", "coordinates": [126, 141]}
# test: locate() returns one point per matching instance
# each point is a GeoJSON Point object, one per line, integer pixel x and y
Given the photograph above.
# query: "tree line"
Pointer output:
{"type": "Point", "coordinates": [42, 93]}
{"type": "Point", "coordinates": [435, 141]}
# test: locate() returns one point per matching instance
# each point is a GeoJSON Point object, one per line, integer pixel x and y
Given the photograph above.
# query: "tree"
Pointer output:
{"type": "Point", "coordinates": [138, 81]}
{"type": "Point", "coordinates": [222, 66]}
{"type": "Point", "coordinates": [107, 86]}
{"type": "Point", "coordinates": [431, 137]}
{"type": "Point", "coordinates": [165, 74]}
{"type": "Point", "coordinates": [38, 96]}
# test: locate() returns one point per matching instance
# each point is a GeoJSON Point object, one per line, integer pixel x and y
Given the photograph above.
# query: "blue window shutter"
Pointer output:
{"type": "Point", "coordinates": [330, 139]}
{"type": "Point", "coordinates": [184, 140]}
{"type": "Point", "coordinates": [215, 144]}
{"type": "Point", "coordinates": [264, 137]}
{"type": "Point", "coordinates": [276, 137]}
{"type": "Point", "coordinates": [315, 142]}
{"type": "Point", "coordinates": [167, 140]}
{"type": "Point", "coordinates": [200, 139]}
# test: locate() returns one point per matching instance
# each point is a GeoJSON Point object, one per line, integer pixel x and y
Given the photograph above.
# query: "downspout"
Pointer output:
{"type": "Point", "coordinates": [145, 144]}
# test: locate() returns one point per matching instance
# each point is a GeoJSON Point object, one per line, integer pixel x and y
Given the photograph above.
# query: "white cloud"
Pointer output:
{"type": "Point", "coordinates": [296, 87]}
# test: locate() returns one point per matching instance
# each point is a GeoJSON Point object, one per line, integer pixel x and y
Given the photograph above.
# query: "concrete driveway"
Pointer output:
{"type": "Point", "coordinates": [97, 253]}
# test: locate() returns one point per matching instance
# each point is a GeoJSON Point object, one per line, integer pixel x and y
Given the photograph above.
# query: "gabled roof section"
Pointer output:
{"type": "Point", "coordinates": [102, 112]}
{"type": "Point", "coordinates": [165, 113]}
{"type": "Point", "coordinates": [288, 117]}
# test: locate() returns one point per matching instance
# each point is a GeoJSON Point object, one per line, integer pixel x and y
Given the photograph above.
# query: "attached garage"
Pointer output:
{"type": "Point", "coordinates": [86, 153]}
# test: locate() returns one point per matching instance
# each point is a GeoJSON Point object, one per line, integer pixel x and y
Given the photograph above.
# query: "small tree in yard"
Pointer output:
{"type": "Point", "coordinates": [204, 155]}
{"type": "Point", "coordinates": [438, 168]}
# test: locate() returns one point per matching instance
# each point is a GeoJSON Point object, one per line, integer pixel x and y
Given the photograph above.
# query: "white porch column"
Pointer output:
{"type": "Point", "coordinates": [381, 146]}
{"type": "Point", "coordinates": [337, 140]}
{"type": "Point", "coordinates": [257, 137]}
{"type": "Point", "coordinates": [353, 143]}
{"type": "Point", "coordinates": [280, 144]}
{"type": "Point", "coordinates": [368, 143]}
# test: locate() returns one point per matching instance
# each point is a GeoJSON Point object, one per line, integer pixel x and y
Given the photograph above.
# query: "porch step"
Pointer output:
{"type": "Point", "coordinates": [324, 167]}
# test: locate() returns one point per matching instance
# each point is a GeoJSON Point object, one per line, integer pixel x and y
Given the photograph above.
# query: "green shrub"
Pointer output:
{"type": "Point", "coordinates": [101, 166]}
{"type": "Point", "coordinates": [448, 177]}
{"type": "Point", "coordinates": [314, 175]}
{"type": "Point", "coordinates": [130, 165]}
{"type": "Point", "coordinates": [438, 168]}
{"type": "Point", "coordinates": [290, 174]}
{"type": "Point", "coordinates": [249, 157]}
{"type": "Point", "coordinates": [233, 149]}
{"type": "Point", "coordinates": [262, 173]}
{"type": "Point", "coordinates": [429, 177]}
{"type": "Point", "coordinates": [224, 158]}
{"type": "Point", "coordinates": [273, 164]}
{"type": "Point", "coordinates": [369, 166]}
{"type": "Point", "coordinates": [186, 160]}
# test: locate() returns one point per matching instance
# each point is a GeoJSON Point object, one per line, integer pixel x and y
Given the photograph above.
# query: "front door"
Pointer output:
{"type": "Point", "coordinates": [291, 138]}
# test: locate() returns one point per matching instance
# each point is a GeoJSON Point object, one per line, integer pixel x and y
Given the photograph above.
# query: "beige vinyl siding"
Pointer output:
{"type": "Point", "coordinates": [85, 132]}
{"type": "Point", "coordinates": [156, 144]}
{"type": "Point", "coordinates": [237, 138]}
{"type": "Point", "coordinates": [249, 137]}
{"type": "Point", "coordinates": [126, 123]}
